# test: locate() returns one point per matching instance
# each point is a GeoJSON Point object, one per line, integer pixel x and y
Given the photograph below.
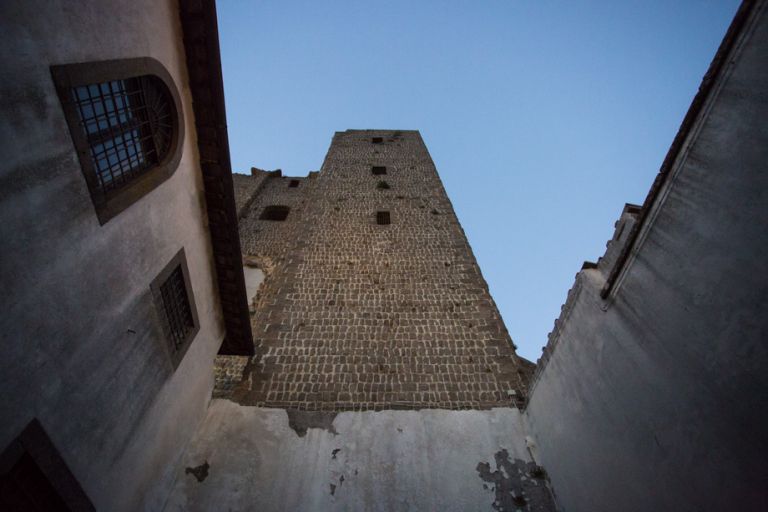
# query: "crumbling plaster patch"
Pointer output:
{"type": "Point", "coordinates": [385, 460]}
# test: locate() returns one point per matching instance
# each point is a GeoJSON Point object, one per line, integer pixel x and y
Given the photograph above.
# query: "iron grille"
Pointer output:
{"type": "Point", "coordinates": [128, 125]}
{"type": "Point", "coordinates": [378, 170]}
{"type": "Point", "coordinates": [382, 218]}
{"type": "Point", "coordinates": [177, 310]}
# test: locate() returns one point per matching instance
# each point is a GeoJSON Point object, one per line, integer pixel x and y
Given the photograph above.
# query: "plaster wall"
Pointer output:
{"type": "Point", "coordinates": [254, 458]}
{"type": "Point", "coordinates": [657, 398]}
{"type": "Point", "coordinates": [82, 349]}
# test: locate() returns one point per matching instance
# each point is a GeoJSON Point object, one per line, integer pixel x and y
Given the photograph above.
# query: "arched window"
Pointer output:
{"type": "Point", "coordinates": [125, 120]}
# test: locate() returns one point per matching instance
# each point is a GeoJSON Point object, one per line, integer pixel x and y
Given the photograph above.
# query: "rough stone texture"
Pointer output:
{"type": "Point", "coordinates": [252, 458]}
{"type": "Point", "coordinates": [356, 315]}
{"type": "Point", "coordinates": [656, 398]}
{"type": "Point", "coordinates": [227, 372]}
{"type": "Point", "coordinates": [247, 186]}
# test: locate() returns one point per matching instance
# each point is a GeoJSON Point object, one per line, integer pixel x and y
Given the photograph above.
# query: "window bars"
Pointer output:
{"type": "Point", "coordinates": [128, 125]}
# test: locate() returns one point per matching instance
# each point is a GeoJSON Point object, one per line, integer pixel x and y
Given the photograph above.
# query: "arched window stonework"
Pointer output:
{"type": "Point", "coordinates": [126, 123]}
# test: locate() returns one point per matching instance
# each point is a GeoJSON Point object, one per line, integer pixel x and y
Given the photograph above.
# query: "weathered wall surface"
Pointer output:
{"type": "Point", "coordinates": [356, 315]}
{"type": "Point", "coordinates": [657, 398]}
{"type": "Point", "coordinates": [253, 458]}
{"type": "Point", "coordinates": [81, 348]}
{"type": "Point", "coordinates": [247, 186]}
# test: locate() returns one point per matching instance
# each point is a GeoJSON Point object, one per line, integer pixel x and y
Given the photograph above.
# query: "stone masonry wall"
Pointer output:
{"type": "Point", "coordinates": [354, 315]}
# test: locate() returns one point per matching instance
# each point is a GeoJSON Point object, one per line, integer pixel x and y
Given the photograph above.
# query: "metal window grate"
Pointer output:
{"type": "Point", "coordinates": [128, 125]}
{"type": "Point", "coordinates": [378, 170]}
{"type": "Point", "coordinates": [176, 306]}
{"type": "Point", "coordinates": [382, 218]}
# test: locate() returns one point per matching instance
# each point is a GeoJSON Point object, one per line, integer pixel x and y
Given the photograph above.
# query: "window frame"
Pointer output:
{"type": "Point", "coordinates": [68, 76]}
{"type": "Point", "coordinates": [34, 442]}
{"type": "Point", "coordinates": [179, 260]}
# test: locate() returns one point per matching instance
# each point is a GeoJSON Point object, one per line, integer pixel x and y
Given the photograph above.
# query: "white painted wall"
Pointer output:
{"type": "Point", "coordinates": [253, 279]}
{"type": "Point", "coordinates": [657, 399]}
{"type": "Point", "coordinates": [387, 460]}
{"type": "Point", "coordinates": [82, 350]}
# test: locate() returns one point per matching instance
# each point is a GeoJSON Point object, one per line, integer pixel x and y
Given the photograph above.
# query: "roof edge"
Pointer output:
{"type": "Point", "coordinates": [707, 84]}
{"type": "Point", "coordinates": [201, 44]}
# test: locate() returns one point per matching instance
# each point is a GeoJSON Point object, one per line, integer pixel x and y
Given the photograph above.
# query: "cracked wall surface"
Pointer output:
{"type": "Point", "coordinates": [253, 458]}
{"type": "Point", "coordinates": [356, 315]}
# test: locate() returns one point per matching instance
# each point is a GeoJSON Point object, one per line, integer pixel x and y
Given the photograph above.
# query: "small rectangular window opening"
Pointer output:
{"type": "Point", "coordinates": [175, 304]}
{"type": "Point", "coordinates": [293, 184]}
{"type": "Point", "coordinates": [275, 212]}
{"type": "Point", "coordinates": [177, 311]}
{"type": "Point", "coordinates": [377, 140]}
{"type": "Point", "coordinates": [378, 170]}
{"type": "Point", "coordinates": [382, 218]}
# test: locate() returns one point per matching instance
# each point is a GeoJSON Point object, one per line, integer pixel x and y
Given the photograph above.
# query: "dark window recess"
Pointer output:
{"type": "Point", "coordinates": [275, 212]}
{"type": "Point", "coordinates": [175, 303]}
{"type": "Point", "coordinates": [293, 183]}
{"type": "Point", "coordinates": [377, 140]}
{"type": "Point", "coordinates": [382, 218]}
{"type": "Point", "coordinates": [378, 170]}
{"type": "Point", "coordinates": [382, 185]}
{"type": "Point", "coordinates": [128, 125]}
{"type": "Point", "coordinates": [35, 478]}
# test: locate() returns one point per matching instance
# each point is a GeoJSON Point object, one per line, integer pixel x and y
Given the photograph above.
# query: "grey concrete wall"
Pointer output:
{"type": "Point", "coordinates": [657, 398]}
{"type": "Point", "coordinates": [81, 347]}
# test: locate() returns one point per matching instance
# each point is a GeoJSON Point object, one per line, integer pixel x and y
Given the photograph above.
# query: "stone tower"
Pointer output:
{"type": "Point", "coordinates": [372, 297]}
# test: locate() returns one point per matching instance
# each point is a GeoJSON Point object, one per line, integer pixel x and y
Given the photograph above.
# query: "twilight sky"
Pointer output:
{"type": "Point", "coordinates": [543, 117]}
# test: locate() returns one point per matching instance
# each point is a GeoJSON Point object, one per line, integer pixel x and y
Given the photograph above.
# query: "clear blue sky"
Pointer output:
{"type": "Point", "coordinates": [543, 117]}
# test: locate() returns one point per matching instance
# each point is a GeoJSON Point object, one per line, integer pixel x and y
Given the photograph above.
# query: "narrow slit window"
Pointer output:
{"type": "Point", "coordinates": [378, 170]}
{"type": "Point", "coordinates": [382, 218]}
{"type": "Point", "coordinates": [275, 212]}
{"type": "Point", "coordinates": [293, 183]}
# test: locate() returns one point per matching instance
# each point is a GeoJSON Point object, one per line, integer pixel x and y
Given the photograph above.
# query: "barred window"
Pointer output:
{"type": "Point", "coordinates": [378, 170]}
{"type": "Point", "coordinates": [125, 120]}
{"type": "Point", "coordinates": [382, 218]}
{"type": "Point", "coordinates": [176, 306]}
{"type": "Point", "coordinates": [128, 126]}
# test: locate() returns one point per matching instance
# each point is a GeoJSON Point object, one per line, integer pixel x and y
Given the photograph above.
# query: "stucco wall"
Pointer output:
{"type": "Point", "coordinates": [657, 398]}
{"type": "Point", "coordinates": [82, 349]}
{"type": "Point", "coordinates": [428, 460]}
